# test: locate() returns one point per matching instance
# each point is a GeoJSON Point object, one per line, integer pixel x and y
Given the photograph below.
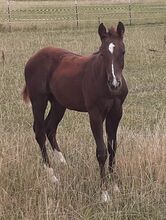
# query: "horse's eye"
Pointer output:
{"type": "Point", "coordinates": [123, 52]}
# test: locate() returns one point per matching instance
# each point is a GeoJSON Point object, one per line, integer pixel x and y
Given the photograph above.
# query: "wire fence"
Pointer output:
{"type": "Point", "coordinates": [75, 14]}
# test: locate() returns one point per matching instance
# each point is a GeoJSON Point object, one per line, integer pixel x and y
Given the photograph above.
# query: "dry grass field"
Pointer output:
{"type": "Point", "coordinates": [25, 190]}
{"type": "Point", "coordinates": [65, 14]}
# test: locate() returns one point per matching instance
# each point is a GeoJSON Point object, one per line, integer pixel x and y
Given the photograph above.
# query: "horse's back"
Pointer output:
{"type": "Point", "coordinates": [57, 71]}
{"type": "Point", "coordinates": [45, 59]}
{"type": "Point", "coordinates": [40, 67]}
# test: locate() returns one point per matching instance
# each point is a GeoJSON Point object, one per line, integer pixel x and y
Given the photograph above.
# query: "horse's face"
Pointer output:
{"type": "Point", "coordinates": [112, 50]}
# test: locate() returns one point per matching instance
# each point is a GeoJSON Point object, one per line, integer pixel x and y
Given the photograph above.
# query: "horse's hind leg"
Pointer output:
{"type": "Point", "coordinates": [39, 105]}
{"type": "Point", "coordinates": [51, 123]}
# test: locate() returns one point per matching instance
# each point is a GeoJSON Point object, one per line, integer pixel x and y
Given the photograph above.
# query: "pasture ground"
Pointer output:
{"type": "Point", "coordinates": [65, 14]}
{"type": "Point", "coordinates": [25, 191]}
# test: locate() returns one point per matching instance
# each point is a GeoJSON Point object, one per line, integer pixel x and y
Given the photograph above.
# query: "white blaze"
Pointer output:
{"type": "Point", "coordinates": [114, 83]}
{"type": "Point", "coordinates": [111, 49]}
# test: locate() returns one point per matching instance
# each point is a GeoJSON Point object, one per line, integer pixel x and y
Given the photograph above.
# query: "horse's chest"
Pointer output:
{"type": "Point", "coordinates": [105, 105]}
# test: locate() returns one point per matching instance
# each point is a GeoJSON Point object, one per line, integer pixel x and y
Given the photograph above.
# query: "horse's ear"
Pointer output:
{"type": "Point", "coordinates": [120, 29]}
{"type": "Point", "coordinates": [102, 31]}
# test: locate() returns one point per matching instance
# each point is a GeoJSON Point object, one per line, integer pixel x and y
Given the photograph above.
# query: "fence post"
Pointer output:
{"type": "Point", "coordinates": [9, 14]}
{"type": "Point", "coordinates": [99, 20]}
{"type": "Point", "coordinates": [76, 11]}
{"type": "Point", "coordinates": [130, 18]}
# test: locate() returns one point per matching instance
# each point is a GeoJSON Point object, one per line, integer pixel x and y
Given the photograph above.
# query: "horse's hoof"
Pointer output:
{"type": "Point", "coordinates": [50, 173]}
{"type": "Point", "coordinates": [54, 179]}
{"type": "Point", "coordinates": [105, 197]}
{"type": "Point", "coordinates": [116, 189]}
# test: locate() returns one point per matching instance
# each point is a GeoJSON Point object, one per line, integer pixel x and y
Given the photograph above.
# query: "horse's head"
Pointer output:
{"type": "Point", "coordinates": [112, 50]}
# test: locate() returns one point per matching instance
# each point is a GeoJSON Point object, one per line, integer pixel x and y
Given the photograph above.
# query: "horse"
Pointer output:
{"type": "Point", "coordinates": [93, 84]}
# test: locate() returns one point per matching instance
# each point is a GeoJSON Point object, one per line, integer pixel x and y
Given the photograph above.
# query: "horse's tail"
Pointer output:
{"type": "Point", "coordinates": [25, 95]}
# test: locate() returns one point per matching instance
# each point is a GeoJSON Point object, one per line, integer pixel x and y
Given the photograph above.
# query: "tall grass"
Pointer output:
{"type": "Point", "coordinates": [25, 190]}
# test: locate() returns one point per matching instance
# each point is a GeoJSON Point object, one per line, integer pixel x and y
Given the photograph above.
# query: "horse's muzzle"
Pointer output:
{"type": "Point", "coordinates": [114, 85]}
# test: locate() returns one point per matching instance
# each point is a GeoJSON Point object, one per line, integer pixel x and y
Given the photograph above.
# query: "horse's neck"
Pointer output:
{"type": "Point", "coordinates": [98, 64]}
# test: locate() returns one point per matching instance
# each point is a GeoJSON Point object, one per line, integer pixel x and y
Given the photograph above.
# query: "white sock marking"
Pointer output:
{"type": "Point", "coordinates": [50, 173]}
{"type": "Point", "coordinates": [54, 179]}
{"type": "Point", "coordinates": [59, 156]}
{"type": "Point", "coordinates": [105, 196]}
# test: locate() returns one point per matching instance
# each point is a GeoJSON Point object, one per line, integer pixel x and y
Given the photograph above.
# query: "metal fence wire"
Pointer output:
{"type": "Point", "coordinates": [29, 12]}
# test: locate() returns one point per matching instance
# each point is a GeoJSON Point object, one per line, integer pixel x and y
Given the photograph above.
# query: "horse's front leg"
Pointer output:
{"type": "Point", "coordinates": [112, 121]}
{"type": "Point", "coordinates": [96, 122]}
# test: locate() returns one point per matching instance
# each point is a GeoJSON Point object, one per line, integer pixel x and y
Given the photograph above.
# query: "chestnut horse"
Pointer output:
{"type": "Point", "coordinates": [92, 84]}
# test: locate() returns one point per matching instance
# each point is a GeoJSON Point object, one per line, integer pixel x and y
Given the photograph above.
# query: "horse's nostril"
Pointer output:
{"type": "Point", "coordinates": [119, 83]}
{"type": "Point", "coordinates": [114, 84]}
{"type": "Point", "coordinates": [109, 82]}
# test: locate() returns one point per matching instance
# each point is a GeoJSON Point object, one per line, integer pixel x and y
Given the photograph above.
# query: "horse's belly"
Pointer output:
{"type": "Point", "coordinates": [71, 101]}
{"type": "Point", "coordinates": [69, 94]}
{"type": "Point", "coordinates": [77, 108]}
